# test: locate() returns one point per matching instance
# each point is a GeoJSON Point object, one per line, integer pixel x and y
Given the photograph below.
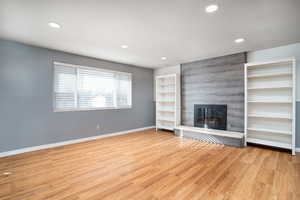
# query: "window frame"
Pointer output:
{"type": "Point", "coordinates": [87, 68]}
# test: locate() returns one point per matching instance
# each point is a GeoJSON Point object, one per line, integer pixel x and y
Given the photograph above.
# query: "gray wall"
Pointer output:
{"type": "Point", "coordinates": [26, 113]}
{"type": "Point", "coordinates": [287, 51]}
{"type": "Point", "coordinates": [214, 81]}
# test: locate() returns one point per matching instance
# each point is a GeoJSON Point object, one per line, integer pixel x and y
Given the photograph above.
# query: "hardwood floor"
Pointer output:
{"type": "Point", "coordinates": [147, 165]}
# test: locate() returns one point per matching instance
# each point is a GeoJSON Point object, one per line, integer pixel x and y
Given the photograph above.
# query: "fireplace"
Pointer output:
{"type": "Point", "coordinates": [210, 116]}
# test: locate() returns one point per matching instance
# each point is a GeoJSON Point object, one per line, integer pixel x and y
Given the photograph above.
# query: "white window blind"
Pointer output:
{"type": "Point", "coordinates": [83, 88]}
{"type": "Point", "coordinates": [65, 87]}
{"type": "Point", "coordinates": [95, 89]}
{"type": "Point", "coordinates": [124, 88]}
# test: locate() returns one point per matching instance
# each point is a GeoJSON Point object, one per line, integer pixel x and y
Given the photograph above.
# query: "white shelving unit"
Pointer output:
{"type": "Point", "coordinates": [167, 102]}
{"type": "Point", "coordinates": [270, 103]}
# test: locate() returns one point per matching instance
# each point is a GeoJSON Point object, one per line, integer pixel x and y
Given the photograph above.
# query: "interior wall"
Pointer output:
{"type": "Point", "coordinates": [214, 81]}
{"type": "Point", "coordinates": [287, 51]}
{"type": "Point", "coordinates": [26, 106]}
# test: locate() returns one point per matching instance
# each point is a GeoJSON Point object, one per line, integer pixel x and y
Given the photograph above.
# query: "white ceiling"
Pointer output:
{"type": "Point", "coordinates": [180, 30]}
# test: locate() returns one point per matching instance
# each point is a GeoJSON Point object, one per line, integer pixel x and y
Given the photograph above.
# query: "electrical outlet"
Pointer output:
{"type": "Point", "coordinates": [98, 127]}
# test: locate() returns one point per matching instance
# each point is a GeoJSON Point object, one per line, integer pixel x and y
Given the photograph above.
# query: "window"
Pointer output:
{"type": "Point", "coordinates": [85, 88]}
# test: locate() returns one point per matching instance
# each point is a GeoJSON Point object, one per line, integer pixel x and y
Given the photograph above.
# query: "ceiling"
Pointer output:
{"type": "Point", "coordinates": [180, 30]}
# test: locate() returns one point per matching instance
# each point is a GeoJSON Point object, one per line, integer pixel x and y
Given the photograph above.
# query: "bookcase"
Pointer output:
{"type": "Point", "coordinates": [167, 102]}
{"type": "Point", "coordinates": [270, 103]}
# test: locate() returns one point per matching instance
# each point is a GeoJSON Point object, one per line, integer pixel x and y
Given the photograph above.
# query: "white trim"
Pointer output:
{"type": "Point", "coordinates": [89, 109]}
{"type": "Point", "coordinates": [90, 68]}
{"type": "Point", "coordinates": [297, 149]}
{"type": "Point", "coordinates": [46, 146]}
{"type": "Point", "coordinates": [250, 64]}
{"type": "Point", "coordinates": [294, 109]}
{"type": "Point", "coordinates": [166, 75]}
{"type": "Point", "coordinates": [245, 104]}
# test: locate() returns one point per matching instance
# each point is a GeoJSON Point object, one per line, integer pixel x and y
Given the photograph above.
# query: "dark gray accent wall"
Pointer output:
{"type": "Point", "coordinates": [214, 81]}
{"type": "Point", "coordinates": [26, 112]}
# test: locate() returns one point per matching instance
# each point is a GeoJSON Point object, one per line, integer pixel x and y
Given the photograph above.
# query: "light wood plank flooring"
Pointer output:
{"type": "Point", "coordinates": [150, 165]}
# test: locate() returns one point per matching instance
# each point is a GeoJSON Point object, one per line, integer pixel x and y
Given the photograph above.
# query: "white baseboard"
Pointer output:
{"type": "Point", "coordinates": [46, 146]}
{"type": "Point", "coordinates": [297, 149]}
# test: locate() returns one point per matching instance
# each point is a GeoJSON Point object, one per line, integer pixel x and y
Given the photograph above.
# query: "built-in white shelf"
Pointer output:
{"type": "Point", "coordinates": [265, 130]}
{"type": "Point", "coordinates": [171, 128]}
{"type": "Point", "coordinates": [166, 110]}
{"type": "Point", "coordinates": [165, 119]}
{"type": "Point", "coordinates": [165, 92]}
{"type": "Point", "coordinates": [270, 103]}
{"type": "Point", "coordinates": [286, 86]}
{"type": "Point", "coordinates": [269, 143]}
{"type": "Point", "coordinates": [271, 65]}
{"type": "Point", "coordinates": [166, 84]}
{"type": "Point", "coordinates": [261, 75]}
{"type": "Point", "coordinates": [270, 115]}
{"type": "Point", "coordinates": [166, 102]}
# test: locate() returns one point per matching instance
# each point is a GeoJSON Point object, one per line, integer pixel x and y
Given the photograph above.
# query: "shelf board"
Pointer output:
{"type": "Point", "coordinates": [262, 101]}
{"type": "Point", "coordinates": [172, 111]}
{"type": "Point", "coordinates": [160, 101]}
{"type": "Point", "coordinates": [166, 84]}
{"type": "Point", "coordinates": [269, 131]}
{"type": "Point", "coordinates": [270, 74]}
{"type": "Point", "coordinates": [272, 115]}
{"type": "Point", "coordinates": [165, 127]}
{"type": "Point", "coordinates": [270, 87]}
{"type": "Point", "coordinates": [167, 120]}
{"type": "Point", "coordinates": [282, 62]}
{"type": "Point", "coordinates": [166, 92]}
{"type": "Point", "coordinates": [269, 143]}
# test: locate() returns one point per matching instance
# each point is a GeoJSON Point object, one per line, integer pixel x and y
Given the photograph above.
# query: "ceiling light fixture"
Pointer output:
{"type": "Point", "coordinates": [54, 25]}
{"type": "Point", "coordinates": [164, 58]}
{"type": "Point", "coordinates": [239, 40]}
{"type": "Point", "coordinates": [211, 8]}
{"type": "Point", "coordinates": [124, 46]}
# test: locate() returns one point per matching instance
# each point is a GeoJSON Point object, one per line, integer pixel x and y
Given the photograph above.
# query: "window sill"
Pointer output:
{"type": "Point", "coordinates": [92, 109]}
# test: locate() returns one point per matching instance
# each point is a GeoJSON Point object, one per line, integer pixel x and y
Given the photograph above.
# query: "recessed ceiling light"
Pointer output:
{"type": "Point", "coordinates": [239, 40]}
{"type": "Point", "coordinates": [53, 25]}
{"type": "Point", "coordinates": [211, 8]}
{"type": "Point", "coordinates": [124, 46]}
{"type": "Point", "coordinates": [164, 58]}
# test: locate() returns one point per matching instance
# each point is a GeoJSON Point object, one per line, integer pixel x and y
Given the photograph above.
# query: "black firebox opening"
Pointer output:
{"type": "Point", "coordinates": [210, 116]}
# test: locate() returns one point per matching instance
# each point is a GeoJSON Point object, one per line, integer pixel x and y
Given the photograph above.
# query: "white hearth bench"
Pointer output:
{"type": "Point", "coordinates": [228, 138]}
